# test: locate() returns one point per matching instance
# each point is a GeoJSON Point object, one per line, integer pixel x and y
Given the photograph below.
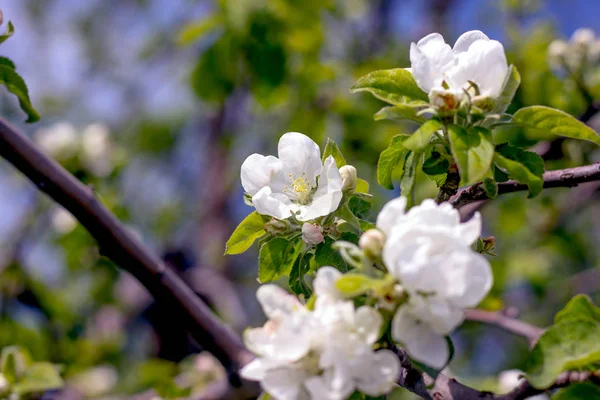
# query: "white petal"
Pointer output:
{"type": "Point", "coordinates": [389, 215]}
{"type": "Point", "coordinates": [466, 40]}
{"type": "Point", "coordinates": [284, 383]}
{"type": "Point", "coordinates": [380, 374]}
{"type": "Point", "coordinates": [259, 171]}
{"type": "Point", "coordinates": [429, 59]}
{"type": "Point", "coordinates": [368, 323]}
{"type": "Point", "coordinates": [255, 370]}
{"type": "Point", "coordinates": [324, 283]}
{"type": "Point", "coordinates": [470, 231]}
{"type": "Point", "coordinates": [328, 196]}
{"type": "Point", "coordinates": [300, 154]}
{"type": "Point", "coordinates": [273, 204]}
{"type": "Point", "coordinates": [474, 279]}
{"type": "Point", "coordinates": [419, 340]}
{"type": "Point", "coordinates": [276, 302]}
{"type": "Point", "coordinates": [333, 384]}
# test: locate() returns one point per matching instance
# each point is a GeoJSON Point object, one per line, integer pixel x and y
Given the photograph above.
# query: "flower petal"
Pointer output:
{"type": "Point", "coordinates": [419, 340]}
{"type": "Point", "coordinates": [389, 215]}
{"type": "Point", "coordinates": [368, 323]}
{"type": "Point", "coordinates": [259, 171]}
{"type": "Point", "coordinates": [333, 384]}
{"type": "Point", "coordinates": [324, 283]}
{"type": "Point", "coordinates": [329, 194]}
{"type": "Point", "coordinates": [473, 279]}
{"type": "Point", "coordinates": [276, 205]}
{"type": "Point", "coordinates": [300, 155]}
{"type": "Point", "coordinates": [255, 370]}
{"type": "Point", "coordinates": [379, 374]}
{"type": "Point", "coordinates": [466, 40]}
{"type": "Point", "coordinates": [284, 383]}
{"type": "Point", "coordinates": [429, 58]}
{"type": "Point", "coordinates": [470, 231]}
{"type": "Point", "coordinates": [276, 302]}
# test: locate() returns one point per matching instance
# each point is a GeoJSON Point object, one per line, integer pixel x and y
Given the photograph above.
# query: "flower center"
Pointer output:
{"type": "Point", "coordinates": [299, 190]}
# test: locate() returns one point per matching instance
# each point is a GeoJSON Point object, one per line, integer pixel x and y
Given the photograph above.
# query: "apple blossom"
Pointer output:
{"type": "Point", "coordinates": [476, 65]}
{"type": "Point", "coordinates": [312, 234]}
{"type": "Point", "coordinates": [326, 353]}
{"type": "Point", "coordinates": [349, 176]}
{"type": "Point", "coordinates": [429, 251]}
{"type": "Point", "coordinates": [297, 183]}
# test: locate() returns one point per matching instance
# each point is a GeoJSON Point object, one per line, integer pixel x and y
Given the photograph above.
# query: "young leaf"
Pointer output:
{"type": "Point", "coordinates": [10, 30]}
{"type": "Point", "coordinates": [7, 62]}
{"type": "Point", "coordinates": [511, 84]}
{"type": "Point", "coordinates": [325, 255]}
{"type": "Point", "coordinates": [491, 187]}
{"type": "Point", "coordinates": [250, 229]}
{"type": "Point", "coordinates": [360, 206]}
{"type": "Point", "coordinates": [332, 149]}
{"type": "Point", "coordinates": [436, 164]}
{"type": "Point", "coordinates": [586, 390]}
{"type": "Point", "coordinates": [521, 173]}
{"type": "Point", "coordinates": [532, 161]}
{"type": "Point", "coordinates": [352, 224]}
{"type": "Point", "coordinates": [409, 175]}
{"type": "Point", "coordinates": [16, 85]}
{"type": "Point", "coordinates": [570, 344]}
{"type": "Point", "coordinates": [362, 186]}
{"type": "Point", "coordinates": [419, 140]}
{"type": "Point", "coordinates": [399, 113]}
{"type": "Point", "coordinates": [554, 121]}
{"type": "Point", "coordinates": [389, 159]}
{"type": "Point", "coordinates": [276, 258]}
{"type": "Point", "coordinates": [299, 270]}
{"type": "Point", "coordinates": [473, 151]}
{"type": "Point", "coordinates": [352, 285]}
{"type": "Point", "coordinates": [39, 377]}
{"type": "Point", "coordinates": [394, 86]}
{"type": "Point", "coordinates": [195, 30]}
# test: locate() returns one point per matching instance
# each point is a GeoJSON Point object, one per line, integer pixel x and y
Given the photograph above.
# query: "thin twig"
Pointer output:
{"type": "Point", "coordinates": [504, 321]}
{"type": "Point", "coordinates": [118, 244]}
{"type": "Point", "coordinates": [568, 177]}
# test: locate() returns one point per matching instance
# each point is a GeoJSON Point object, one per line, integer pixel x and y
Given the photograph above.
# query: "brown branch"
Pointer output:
{"type": "Point", "coordinates": [568, 177]}
{"type": "Point", "coordinates": [505, 322]}
{"type": "Point", "coordinates": [118, 244]}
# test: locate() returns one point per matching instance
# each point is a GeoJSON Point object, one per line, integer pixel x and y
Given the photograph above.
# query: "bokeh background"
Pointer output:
{"type": "Point", "coordinates": [156, 103]}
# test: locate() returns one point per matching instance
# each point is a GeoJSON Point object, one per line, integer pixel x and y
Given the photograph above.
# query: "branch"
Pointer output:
{"type": "Point", "coordinates": [568, 177]}
{"type": "Point", "coordinates": [506, 322]}
{"type": "Point", "coordinates": [118, 244]}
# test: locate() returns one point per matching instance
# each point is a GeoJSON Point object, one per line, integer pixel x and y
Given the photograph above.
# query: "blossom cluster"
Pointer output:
{"type": "Point", "coordinates": [324, 353]}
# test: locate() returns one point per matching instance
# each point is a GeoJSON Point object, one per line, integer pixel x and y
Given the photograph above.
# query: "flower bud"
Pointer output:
{"type": "Point", "coordinates": [372, 242]}
{"type": "Point", "coordinates": [348, 174]}
{"type": "Point", "coordinates": [276, 226]}
{"type": "Point", "coordinates": [583, 37]}
{"type": "Point", "coordinates": [312, 233]}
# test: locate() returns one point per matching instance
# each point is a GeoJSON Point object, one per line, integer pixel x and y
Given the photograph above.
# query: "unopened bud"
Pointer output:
{"type": "Point", "coordinates": [276, 226]}
{"type": "Point", "coordinates": [348, 174]}
{"type": "Point", "coordinates": [372, 242]}
{"type": "Point", "coordinates": [312, 233]}
{"type": "Point", "coordinates": [486, 245]}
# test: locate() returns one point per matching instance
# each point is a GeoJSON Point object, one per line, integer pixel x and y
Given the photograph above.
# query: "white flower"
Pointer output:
{"type": "Point", "coordinates": [322, 354]}
{"type": "Point", "coordinates": [58, 140]}
{"type": "Point", "coordinates": [510, 379]}
{"type": "Point", "coordinates": [445, 73]}
{"type": "Point", "coordinates": [429, 251]}
{"type": "Point", "coordinates": [312, 233]}
{"type": "Point", "coordinates": [96, 149]}
{"type": "Point", "coordinates": [63, 221]}
{"type": "Point", "coordinates": [295, 183]}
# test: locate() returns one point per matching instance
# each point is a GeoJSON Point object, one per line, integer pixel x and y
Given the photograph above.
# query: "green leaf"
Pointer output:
{"type": "Point", "coordinates": [7, 62]}
{"type": "Point", "coordinates": [325, 255]}
{"type": "Point", "coordinates": [420, 139]}
{"type": "Point", "coordinates": [332, 149]}
{"type": "Point", "coordinates": [13, 363]}
{"type": "Point", "coordinates": [170, 390]}
{"type": "Point", "coordinates": [511, 84]}
{"type": "Point", "coordinates": [409, 175]}
{"type": "Point", "coordinates": [352, 285]}
{"type": "Point", "coordinates": [550, 120]}
{"type": "Point", "coordinates": [524, 166]}
{"type": "Point", "coordinates": [399, 113]}
{"type": "Point", "coordinates": [389, 160]}
{"type": "Point", "coordinates": [491, 187]}
{"type": "Point", "coordinates": [581, 391]}
{"type": "Point", "coordinates": [473, 151]}
{"type": "Point", "coordinates": [39, 377]}
{"type": "Point", "coordinates": [194, 31]}
{"type": "Point", "coordinates": [436, 164]}
{"type": "Point", "coordinates": [10, 30]}
{"type": "Point", "coordinates": [359, 206]}
{"type": "Point", "coordinates": [352, 224]}
{"type": "Point", "coordinates": [250, 229]}
{"type": "Point", "coordinates": [362, 186]}
{"type": "Point", "coordinates": [394, 86]}
{"type": "Point", "coordinates": [16, 85]}
{"type": "Point", "coordinates": [570, 344]}
{"type": "Point", "coordinates": [276, 258]}
{"type": "Point", "coordinates": [299, 270]}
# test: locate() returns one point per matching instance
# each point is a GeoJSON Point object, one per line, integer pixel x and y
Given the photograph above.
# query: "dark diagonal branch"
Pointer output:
{"type": "Point", "coordinates": [568, 177]}
{"type": "Point", "coordinates": [118, 244]}
{"type": "Point", "coordinates": [505, 322]}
